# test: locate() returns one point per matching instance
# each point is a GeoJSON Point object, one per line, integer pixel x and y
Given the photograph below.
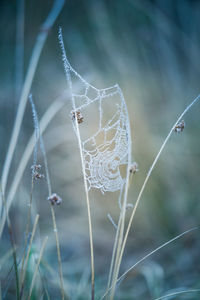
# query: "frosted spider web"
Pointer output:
{"type": "Point", "coordinates": [107, 151]}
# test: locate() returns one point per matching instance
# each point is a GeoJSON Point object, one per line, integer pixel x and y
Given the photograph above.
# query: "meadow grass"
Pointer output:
{"type": "Point", "coordinates": [21, 261]}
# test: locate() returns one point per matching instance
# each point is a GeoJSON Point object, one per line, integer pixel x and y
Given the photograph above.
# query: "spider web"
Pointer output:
{"type": "Point", "coordinates": [107, 151]}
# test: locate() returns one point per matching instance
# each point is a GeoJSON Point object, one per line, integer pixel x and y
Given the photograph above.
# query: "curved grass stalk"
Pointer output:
{"type": "Point", "coordinates": [150, 254]}
{"type": "Point", "coordinates": [151, 169]}
{"type": "Point", "coordinates": [41, 38]}
{"type": "Point", "coordinates": [147, 178]}
{"type": "Point", "coordinates": [178, 293]}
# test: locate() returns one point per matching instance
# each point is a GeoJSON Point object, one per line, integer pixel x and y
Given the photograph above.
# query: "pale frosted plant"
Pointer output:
{"type": "Point", "coordinates": [105, 154]}
{"type": "Point", "coordinates": [52, 198]}
{"type": "Point", "coordinates": [101, 123]}
{"type": "Point", "coordinates": [108, 149]}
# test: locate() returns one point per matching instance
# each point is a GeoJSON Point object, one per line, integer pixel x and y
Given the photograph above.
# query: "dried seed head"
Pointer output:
{"type": "Point", "coordinates": [180, 126]}
{"type": "Point", "coordinates": [36, 167]}
{"type": "Point", "coordinates": [54, 199]}
{"type": "Point", "coordinates": [78, 115]}
{"type": "Point", "coordinates": [38, 175]}
{"type": "Point", "coordinates": [35, 172]}
{"type": "Point", "coordinates": [134, 168]}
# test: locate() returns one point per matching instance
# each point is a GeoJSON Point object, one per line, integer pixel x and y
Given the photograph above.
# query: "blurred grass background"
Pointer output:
{"type": "Point", "coordinates": [152, 49]}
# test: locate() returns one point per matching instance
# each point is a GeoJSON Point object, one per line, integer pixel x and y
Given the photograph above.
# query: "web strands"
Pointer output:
{"type": "Point", "coordinates": [106, 151]}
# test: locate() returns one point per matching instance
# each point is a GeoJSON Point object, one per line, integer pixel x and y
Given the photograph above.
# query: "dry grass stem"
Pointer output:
{"type": "Point", "coordinates": [23, 272]}
{"type": "Point", "coordinates": [53, 109]}
{"type": "Point", "coordinates": [42, 148]}
{"type": "Point", "coordinates": [27, 226]}
{"type": "Point", "coordinates": [41, 38]}
{"type": "Point", "coordinates": [68, 77]}
{"type": "Point", "coordinates": [144, 185]}
{"type": "Point", "coordinates": [178, 293]}
{"type": "Point", "coordinates": [37, 267]}
{"type": "Point", "coordinates": [12, 241]}
{"type": "Point", "coordinates": [58, 253]}
{"type": "Point", "coordinates": [150, 254]}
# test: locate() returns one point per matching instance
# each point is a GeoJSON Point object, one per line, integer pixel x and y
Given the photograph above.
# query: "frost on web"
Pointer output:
{"type": "Point", "coordinates": [106, 149]}
{"type": "Point", "coordinates": [104, 129]}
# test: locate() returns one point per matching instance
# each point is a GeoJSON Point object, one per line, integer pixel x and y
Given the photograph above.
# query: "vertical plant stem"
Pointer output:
{"type": "Point", "coordinates": [58, 252]}
{"type": "Point", "coordinates": [120, 242]}
{"type": "Point", "coordinates": [12, 243]}
{"type": "Point", "coordinates": [37, 267]}
{"type": "Point", "coordinates": [41, 38]}
{"type": "Point", "coordinates": [36, 127]}
{"type": "Point", "coordinates": [115, 245]}
{"type": "Point", "coordinates": [113, 254]}
{"type": "Point", "coordinates": [123, 210]}
{"type": "Point", "coordinates": [47, 117]}
{"type": "Point", "coordinates": [49, 192]}
{"type": "Point", "coordinates": [68, 77]}
{"type": "Point", "coordinates": [89, 216]}
{"type": "Point", "coordinates": [27, 226]}
{"type": "Point", "coordinates": [27, 255]}
{"type": "Point", "coordinates": [88, 212]}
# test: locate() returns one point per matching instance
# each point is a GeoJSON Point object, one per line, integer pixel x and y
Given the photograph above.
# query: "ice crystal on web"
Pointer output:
{"type": "Point", "coordinates": [106, 140]}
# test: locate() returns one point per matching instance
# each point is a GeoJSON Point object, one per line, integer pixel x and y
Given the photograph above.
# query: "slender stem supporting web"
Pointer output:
{"type": "Point", "coordinates": [118, 247]}
{"type": "Point", "coordinates": [88, 210]}
{"type": "Point", "coordinates": [68, 77]}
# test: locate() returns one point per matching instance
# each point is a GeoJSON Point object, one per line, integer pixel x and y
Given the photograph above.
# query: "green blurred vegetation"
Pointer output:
{"type": "Point", "coordinates": [152, 49]}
